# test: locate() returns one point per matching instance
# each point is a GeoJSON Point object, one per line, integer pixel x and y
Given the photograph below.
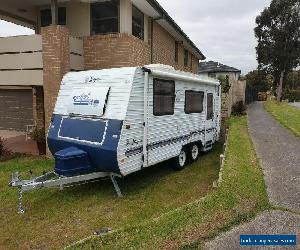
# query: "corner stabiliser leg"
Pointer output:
{"type": "Point", "coordinates": [116, 186]}
{"type": "Point", "coordinates": [21, 209]}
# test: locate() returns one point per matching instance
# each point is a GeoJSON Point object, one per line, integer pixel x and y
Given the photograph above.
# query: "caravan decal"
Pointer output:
{"type": "Point", "coordinates": [91, 79]}
{"type": "Point", "coordinates": [164, 143]}
{"type": "Point", "coordinates": [85, 100]}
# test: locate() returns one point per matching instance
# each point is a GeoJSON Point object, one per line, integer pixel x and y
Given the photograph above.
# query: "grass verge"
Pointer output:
{"type": "Point", "coordinates": [54, 219]}
{"type": "Point", "coordinates": [240, 197]}
{"type": "Point", "coordinates": [286, 115]}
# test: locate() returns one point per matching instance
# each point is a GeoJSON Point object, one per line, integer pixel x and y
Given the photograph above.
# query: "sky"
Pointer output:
{"type": "Point", "coordinates": [222, 29]}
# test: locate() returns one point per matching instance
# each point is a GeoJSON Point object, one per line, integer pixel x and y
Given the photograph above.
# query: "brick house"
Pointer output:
{"type": "Point", "coordinates": [74, 35]}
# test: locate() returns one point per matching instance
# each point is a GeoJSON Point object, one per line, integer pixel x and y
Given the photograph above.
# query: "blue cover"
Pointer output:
{"type": "Point", "coordinates": [71, 162]}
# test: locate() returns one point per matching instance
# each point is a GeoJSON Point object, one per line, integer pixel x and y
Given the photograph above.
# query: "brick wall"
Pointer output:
{"type": "Point", "coordinates": [123, 50]}
{"type": "Point", "coordinates": [115, 50]}
{"type": "Point", "coordinates": [56, 63]}
{"type": "Point", "coordinates": [164, 51]}
{"type": "Point", "coordinates": [38, 107]}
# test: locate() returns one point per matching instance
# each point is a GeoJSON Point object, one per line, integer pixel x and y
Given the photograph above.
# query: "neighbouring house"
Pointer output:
{"type": "Point", "coordinates": [237, 89]}
{"type": "Point", "coordinates": [216, 69]}
{"type": "Point", "coordinates": [80, 35]}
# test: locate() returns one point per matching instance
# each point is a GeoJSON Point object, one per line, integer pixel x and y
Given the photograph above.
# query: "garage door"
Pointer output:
{"type": "Point", "coordinates": [15, 109]}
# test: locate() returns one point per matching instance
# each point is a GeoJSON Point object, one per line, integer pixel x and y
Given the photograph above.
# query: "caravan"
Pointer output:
{"type": "Point", "coordinates": [114, 122]}
{"type": "Point", "coordinates": [125, 119]}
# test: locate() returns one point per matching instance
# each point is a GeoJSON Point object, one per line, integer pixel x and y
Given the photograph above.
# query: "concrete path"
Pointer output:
{"type": "Point", "coordinates": [279, 151]}
{"type": "Point", "coordinates": [295, 104]}
{"type": "Point", "coordinates": [269, 222]}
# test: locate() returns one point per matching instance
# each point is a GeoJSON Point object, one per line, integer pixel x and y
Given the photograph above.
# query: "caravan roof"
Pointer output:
{"type": "Point", "coordinates": [82, 93]}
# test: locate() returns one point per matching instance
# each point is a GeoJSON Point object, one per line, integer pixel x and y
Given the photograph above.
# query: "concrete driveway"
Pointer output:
{"type": "Point", "coordinates": [16, 142]}
{"type": "Point", "coordinates": [6, 134]}
{"type": "Point", "coordinates": [279, 152]}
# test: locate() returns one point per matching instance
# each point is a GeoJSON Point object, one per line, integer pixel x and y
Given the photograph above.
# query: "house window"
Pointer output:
{"type": "Point", "coordinates": [137, 23]}
{"type": "Point", "coordinates": [163, 97]}
{"type": "Point", "coordinates": [105, 17]}
{"type": "Point", "coordinates": [212, 75]}
{"type": "Point", "coordinates": [46, 17]}
{"type": "Point", "coordinates": [186, 58]}
{"type": "Point", "coordinates": [176, 51]}
{"type": "Point", "coordinates": [210, 106]}
{"type": "Point", "coordinates": [193, 102]}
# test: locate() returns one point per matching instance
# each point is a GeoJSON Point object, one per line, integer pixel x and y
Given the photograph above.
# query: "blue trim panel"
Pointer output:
{"type": "Point", "coordinates": [71, 128]}
{"type": "Point", "coordinates": [102, 151]}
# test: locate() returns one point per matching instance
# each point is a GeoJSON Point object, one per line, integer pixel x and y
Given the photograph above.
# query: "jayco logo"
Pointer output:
{"type": "Point", "coordinates": [91, 79]}
{"type": "Point", "coordinates": [85, 100]}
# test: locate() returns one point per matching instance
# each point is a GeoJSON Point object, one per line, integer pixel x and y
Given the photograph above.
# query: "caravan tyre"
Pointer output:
{"type": "Point", "coordinates": [181, 160]}
{"type": "Point", "coordinates": [194, 152]}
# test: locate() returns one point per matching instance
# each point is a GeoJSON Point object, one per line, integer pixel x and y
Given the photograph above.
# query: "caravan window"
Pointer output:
{"type": "Point", "coordinates": [163, 97]}
{"type": "Point", "coordinates": [193, 102]}
{"type": "Point", "coordinates": [210, 106]}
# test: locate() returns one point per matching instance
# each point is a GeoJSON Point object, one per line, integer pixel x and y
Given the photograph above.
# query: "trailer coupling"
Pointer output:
{"type": "Point", "coordinates": [52, 180]}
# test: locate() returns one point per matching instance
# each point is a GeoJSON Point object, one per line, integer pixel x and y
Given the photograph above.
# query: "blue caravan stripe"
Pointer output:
{"type": "Point", "coordinates": [99, 141]}
{"type": "Point", "coordinates": [167, 142]}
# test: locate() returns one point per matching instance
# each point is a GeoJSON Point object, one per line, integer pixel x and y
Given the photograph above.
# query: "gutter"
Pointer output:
{"type": "Point", "coordinates": [166, 16]}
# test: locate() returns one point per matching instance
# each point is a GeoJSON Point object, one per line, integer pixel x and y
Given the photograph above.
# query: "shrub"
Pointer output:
{"type": "Point", "coordinates": [2, 147]}
{"type": "Point", "coordinates": [38, 135]}
{"type": "Point", "coordinates": [239, 109]}
{"type": "Point", "coordinates": [292, 95]}
{"type": "Point", "coordinates": [4, 152]}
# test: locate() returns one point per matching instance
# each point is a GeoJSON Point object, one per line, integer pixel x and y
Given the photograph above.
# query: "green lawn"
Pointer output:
{"type": "Point", "coordinates": [240, 197]}
{"type": "Point", "coordinates": [287, 115]}
{"type": "Point", "coordinates": [54, 218]}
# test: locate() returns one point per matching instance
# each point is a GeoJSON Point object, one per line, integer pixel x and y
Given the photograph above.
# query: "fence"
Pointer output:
{"type": "Point", "coordinates": [76, 54]}
{"type": "Point", "coordinates": [235, 94]}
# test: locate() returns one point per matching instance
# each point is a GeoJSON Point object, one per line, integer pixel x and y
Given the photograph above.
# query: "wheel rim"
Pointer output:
{"type": "Point", "coordinates": [182, 158]}
{"type": "Point", "coordinates": [195, 152]}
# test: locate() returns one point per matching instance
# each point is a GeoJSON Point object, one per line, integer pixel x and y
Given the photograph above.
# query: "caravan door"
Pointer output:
{"type": "Point", "coordinates": [210, 120]}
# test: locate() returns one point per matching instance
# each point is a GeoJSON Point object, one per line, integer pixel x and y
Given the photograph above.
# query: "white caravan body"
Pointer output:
{"type": "Point", "coordinates": [127, 119]}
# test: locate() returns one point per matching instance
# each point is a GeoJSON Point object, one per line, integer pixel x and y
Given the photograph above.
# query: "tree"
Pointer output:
{"type": "Point", "coordinates": [293, 80]}
{"type": "Point", "coordinates": [258, 78]}
{"type": "Point", "coordinates": [278, 34]}
{"type": "Point", "coordinates": [224, 80]}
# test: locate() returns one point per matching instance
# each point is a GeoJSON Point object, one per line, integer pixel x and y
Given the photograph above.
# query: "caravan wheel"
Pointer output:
{"type": "Point", "coordinates": [194, 152]}
{"type": "Point", "coordinates": [180, 161]}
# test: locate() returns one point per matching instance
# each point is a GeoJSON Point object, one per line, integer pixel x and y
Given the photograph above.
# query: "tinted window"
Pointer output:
{"type": "Point", "coordinates": [46, 17]}
{"type": "Point", "coordinates": [105, 17]}
{"type": "Point", "coordinates": [210, 106]}
{"type": "Point", "coordinates": [137, 23]}
{"type": "Point", "coordinates": [193, 102]}
{"type": "Point", "coordinates": [163, 97]}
